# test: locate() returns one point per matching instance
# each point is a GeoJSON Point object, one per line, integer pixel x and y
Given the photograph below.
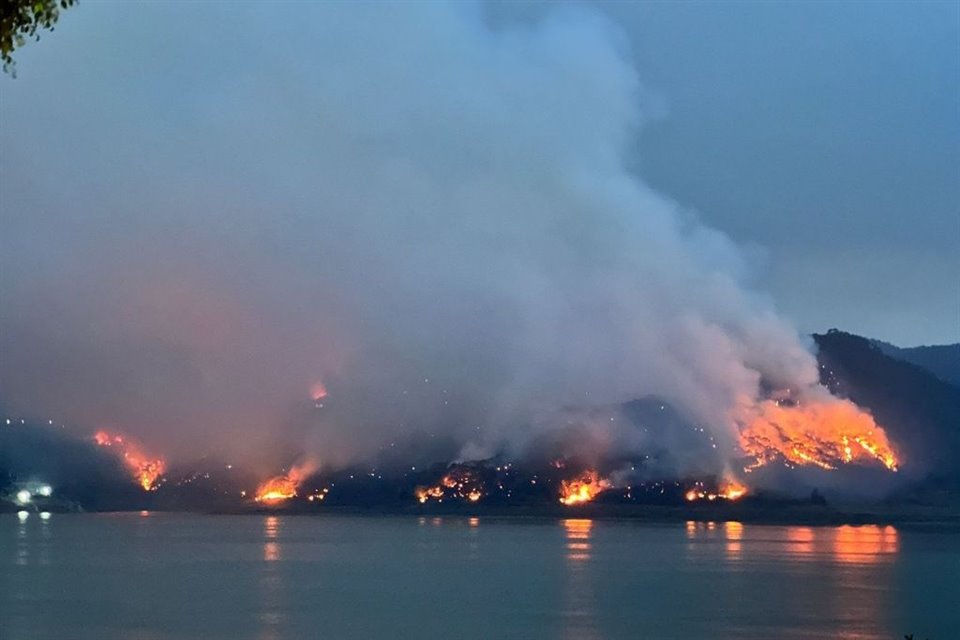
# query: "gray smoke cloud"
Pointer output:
{"type": "Point", "coordinates": [431, 216]}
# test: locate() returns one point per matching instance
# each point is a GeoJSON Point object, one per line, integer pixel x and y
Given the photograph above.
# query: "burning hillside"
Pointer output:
{"type": "Point", "coordinates": [726, 490]}
{"type": "Point", "coordinates": [778, 437]}
{"type": "Point", "coordinates": [824, 434]}
{"type": "Point", "coordinates": [583, 488]}
{"type": "Point", "coordinates": [460, 483]}
{"type": "Point", "coordinates": [283, 487]}
{"type": "Point", "coordinates": [466, 284]}
{"type": "Point", "coordinates": [146, 471]}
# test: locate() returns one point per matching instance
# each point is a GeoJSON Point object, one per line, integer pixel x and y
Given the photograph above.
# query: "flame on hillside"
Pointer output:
{"type": "Point", "coordinates": [583, 488]}
{"type": "Point", "coordinates": [460, 483]}
{"type": "Point", "coordinates": [146, 471]}
{"type": "Point", "coordinates": [729, 490]}
{"type": "Point", "coordinates": [826, 434]}
{"type": "Point", "coordinates": [283, 487]}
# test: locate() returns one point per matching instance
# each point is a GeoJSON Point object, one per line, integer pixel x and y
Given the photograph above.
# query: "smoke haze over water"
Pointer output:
{"type": "Point", "coordinates": [431, 216]}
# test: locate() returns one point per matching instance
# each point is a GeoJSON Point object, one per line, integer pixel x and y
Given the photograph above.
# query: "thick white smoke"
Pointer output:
{"type": "Point", "coordinates": [432, 216]}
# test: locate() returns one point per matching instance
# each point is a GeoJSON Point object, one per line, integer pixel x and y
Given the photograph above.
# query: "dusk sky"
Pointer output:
{"type": "Point", "coordinates": [209, 207]}
{"type": "Point", "coordinates": [825, 135]}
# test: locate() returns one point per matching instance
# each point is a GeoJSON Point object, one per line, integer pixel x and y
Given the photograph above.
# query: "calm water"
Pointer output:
{"type": "Point", "coordinates": [164, 576]}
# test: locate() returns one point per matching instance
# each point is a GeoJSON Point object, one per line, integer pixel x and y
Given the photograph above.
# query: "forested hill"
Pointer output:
{"type": "Point", "coordinates": [920, 410]}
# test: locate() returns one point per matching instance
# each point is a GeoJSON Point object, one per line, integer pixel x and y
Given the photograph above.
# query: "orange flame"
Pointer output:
{"type": "Point", "coordinates": [826, 434]}
{"type": "Point", "coordinates": [460, 483]}
{"type": "Point", "coordinates": [729, 490]}
{"type": "Point", "coordinates": [146, 471]}
{"type": "Point", "coordinates": [582, 489]}
{"type": "Point", "coordinates": [425, 493]}
{"type": "Point", "coordinates": [279, 488]}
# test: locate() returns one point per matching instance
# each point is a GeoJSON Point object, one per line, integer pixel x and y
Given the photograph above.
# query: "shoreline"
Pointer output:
{"type": "Point", "coordinates": [924, 518]}
{"type": "Point", "coordinates": [907, 517]}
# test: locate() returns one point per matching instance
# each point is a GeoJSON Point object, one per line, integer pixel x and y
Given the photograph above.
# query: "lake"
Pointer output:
{"type": "Point", "coordinates": [161, 576]}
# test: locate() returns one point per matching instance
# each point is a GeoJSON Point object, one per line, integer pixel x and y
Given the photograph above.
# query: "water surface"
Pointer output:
{"type": "Point", "coordinates": [173, 576]}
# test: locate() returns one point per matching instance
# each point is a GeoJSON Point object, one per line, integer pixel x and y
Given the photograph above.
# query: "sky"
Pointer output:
{"type": "Point", "coordinates": [824, 135]}
{"type": "Point", "coordinates": [461, 218]}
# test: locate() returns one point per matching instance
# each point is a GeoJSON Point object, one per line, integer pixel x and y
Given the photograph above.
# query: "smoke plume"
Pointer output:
{"type": "Point", "coordinates": [430, 218]}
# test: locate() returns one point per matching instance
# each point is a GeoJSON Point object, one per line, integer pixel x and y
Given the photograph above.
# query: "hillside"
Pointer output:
{"type": "Point", "coordinates": [941, 360]}
{"type": "Point", "coordinates": [920, 411]}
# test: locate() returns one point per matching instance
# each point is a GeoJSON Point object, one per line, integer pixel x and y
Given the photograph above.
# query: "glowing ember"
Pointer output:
{"type": "Point", "coordinates": [318, 495]}
{"type": "Point", "coordinates": [460, 483]}
{"type": "Point", "coordinates": [582, 489]}
{"type": "Point", "coordinates": [146, 471]}
{"type": "Point", "coordinates": [280, 488]}
{"type": "Point", "coordinates": [425, 493]}
{"type": "Point", "coordinates": [729, 490]}
{"type": "Point", "coordinates": [826, 434]}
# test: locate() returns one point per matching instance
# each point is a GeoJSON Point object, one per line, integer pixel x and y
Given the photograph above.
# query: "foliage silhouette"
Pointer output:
{"type": "Point", "coordinates": [23, 19]}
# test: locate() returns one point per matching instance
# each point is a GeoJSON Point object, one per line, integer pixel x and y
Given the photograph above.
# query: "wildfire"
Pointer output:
{"type": "Point", "coordinates": [729, 490]}
{"type": "Point", "coordinates": [459, 483]}
{"type": "Point", "coordinates": [146, 471]}
{"type": "Point", "coordinates": [582, 489]}
{"type": "Point", "coordinates": [732, 491]}
{"type": "Point", "coordinates": [425, 493]}
{"type": "Point", "coordinates": [280, 488]}
{"type": "Point", "coordinates": [826, 434]}
{"type": "Point", "coordinates": [318, 495]}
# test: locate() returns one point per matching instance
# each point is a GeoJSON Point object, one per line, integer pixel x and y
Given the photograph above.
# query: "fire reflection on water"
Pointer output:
{"type": "Point", "coordinates": [859, 550]}
{"type": "Point", "coordinates": [271, 583]}
{"type": "Point", "coordinates": [733, 532]}
{"type": "Point", "coordinates": [800, 541]}
{"type": "Point", "coordinates": [578, 539]}
{"type": "Point", "coordinates": [473, 537]}
{"type": "Point", "coordinates": [842, 562]}
{"type": "Point", "coordinates": [864, 544]}
{"type": "Point", "coordinates": [869, 544]}
{"type": "Point", "coordinates": [271, 548]}
{"type": "Point", "coordinates": [580, 608]}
